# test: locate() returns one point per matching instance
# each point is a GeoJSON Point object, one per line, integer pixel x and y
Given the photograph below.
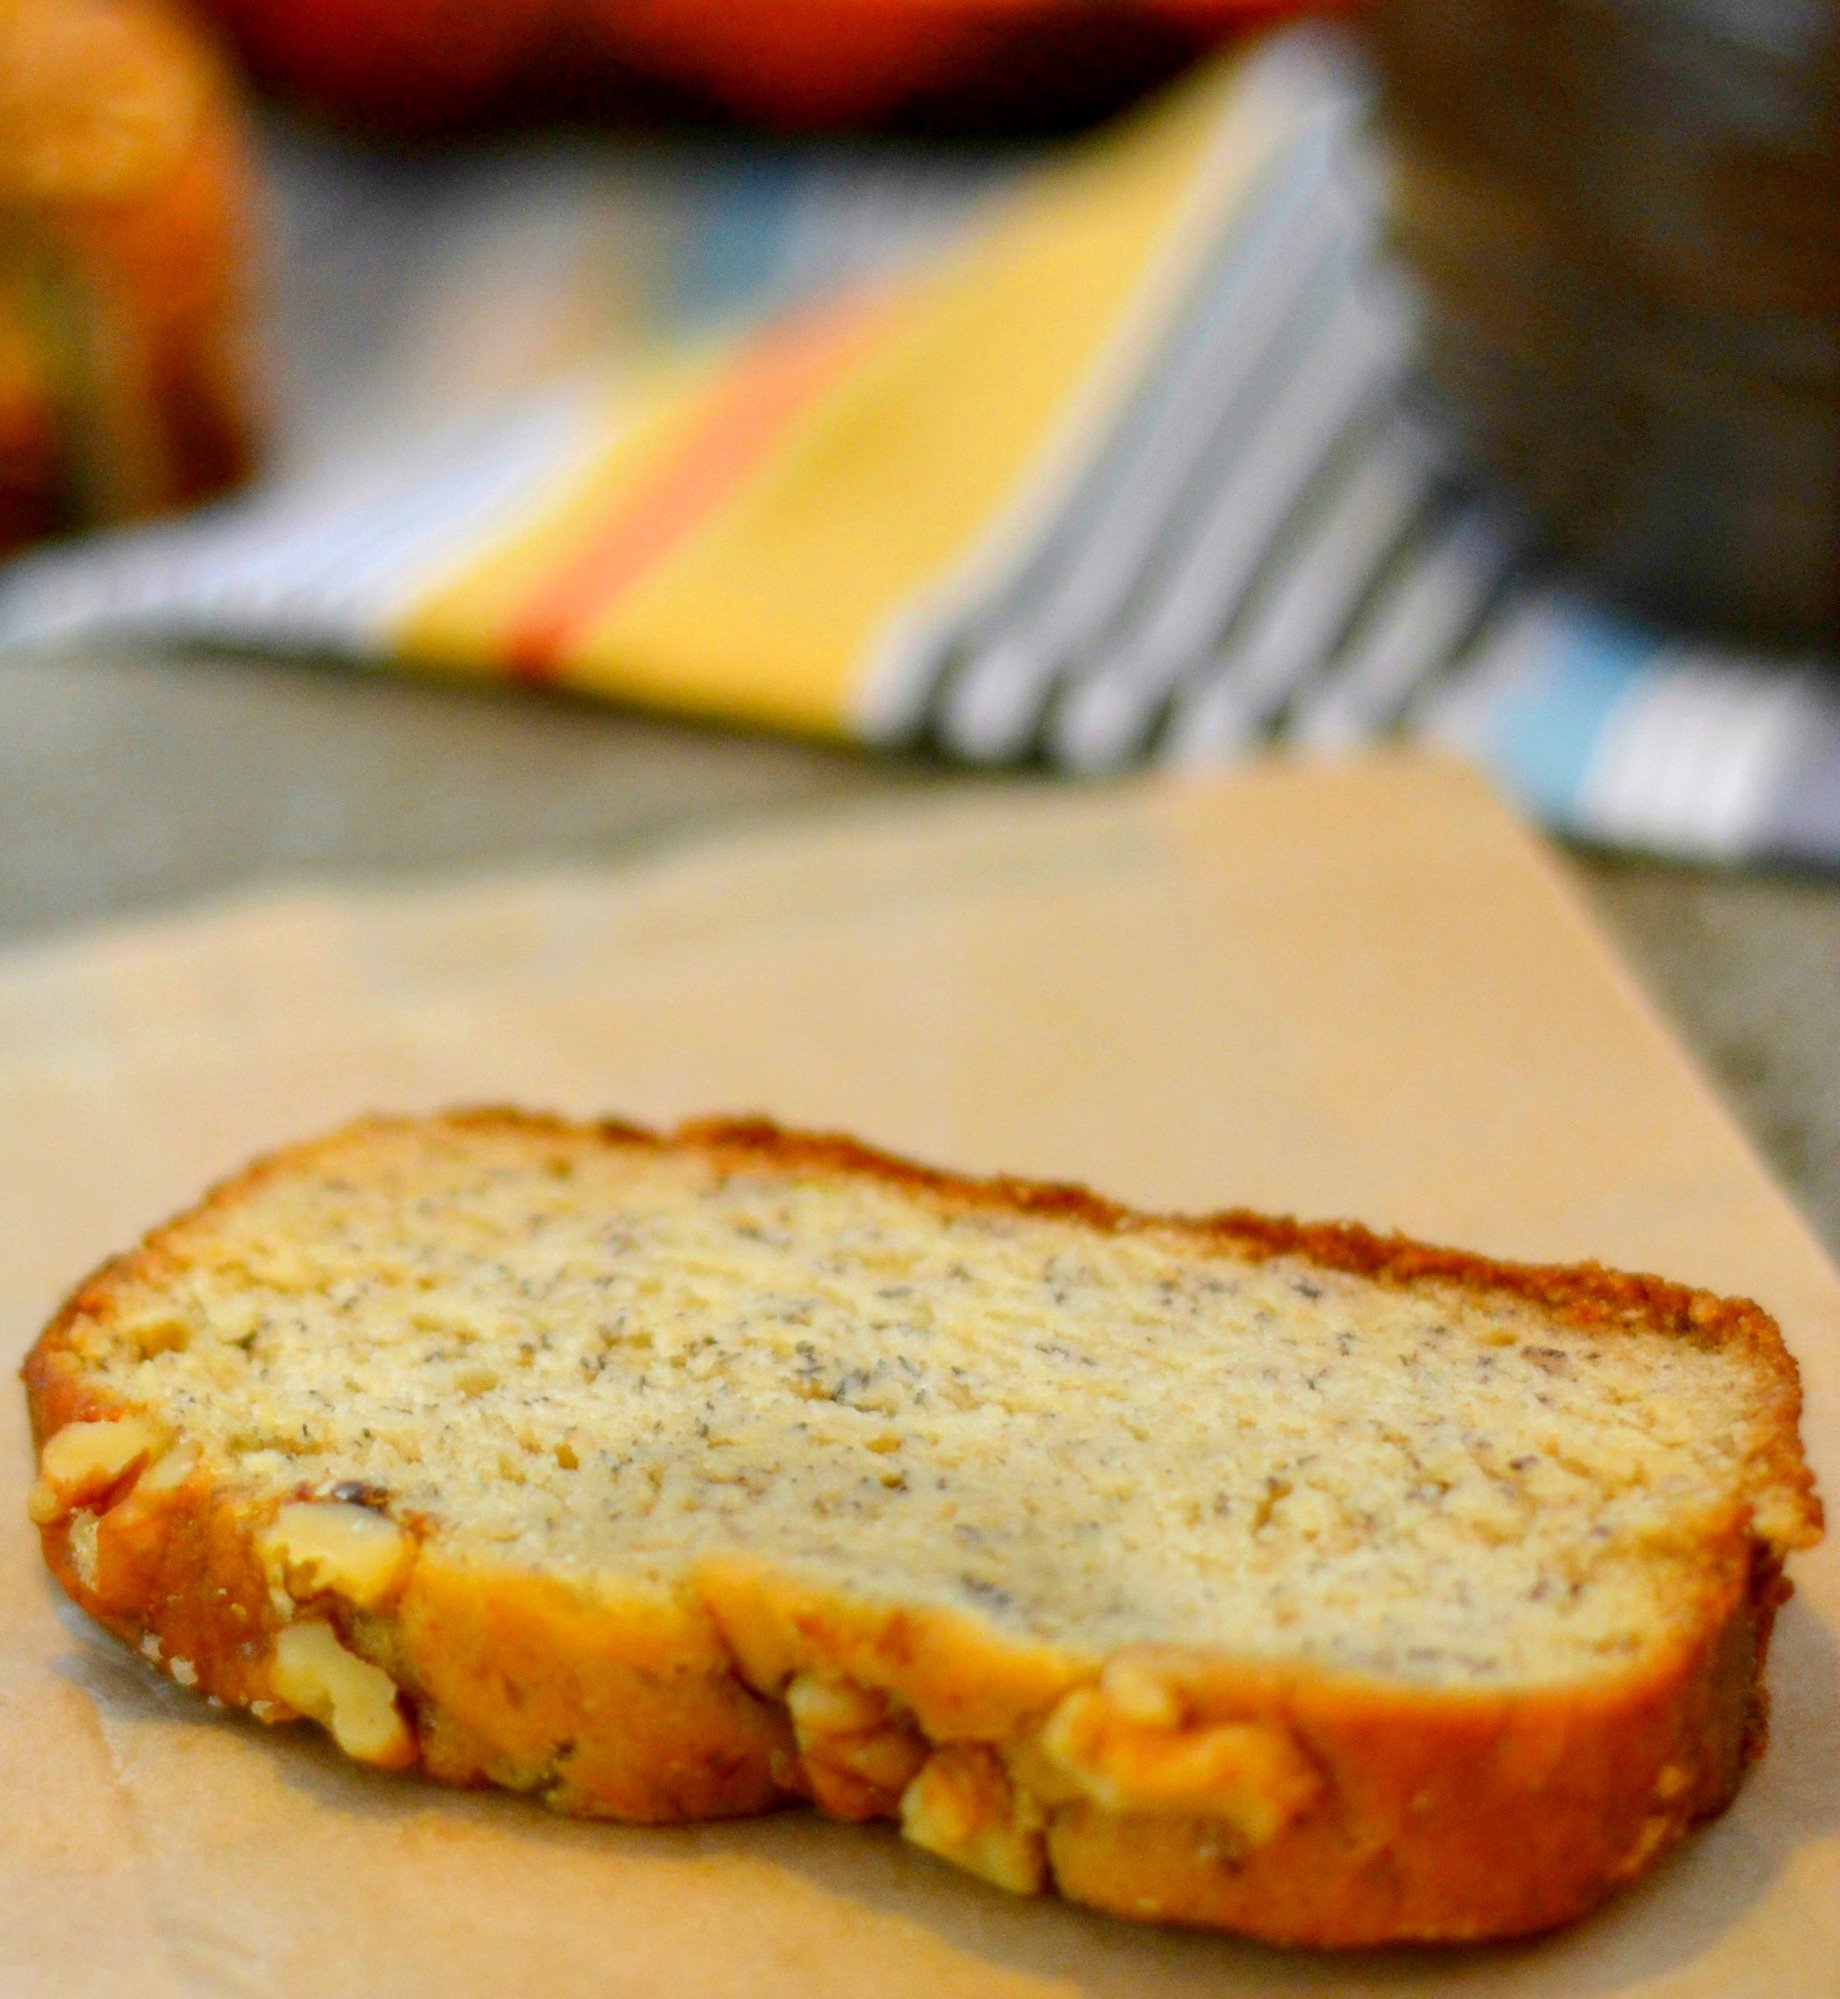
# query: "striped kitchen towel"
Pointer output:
{"type": "Point", "coordinates": [1088, 459]}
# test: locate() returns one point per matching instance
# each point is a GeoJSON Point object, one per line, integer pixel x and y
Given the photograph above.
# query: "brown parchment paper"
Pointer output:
{"type": "Point", "coordinates": [1363, 992]}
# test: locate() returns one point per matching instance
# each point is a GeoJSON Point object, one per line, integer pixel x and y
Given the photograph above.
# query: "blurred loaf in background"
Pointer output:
{"type": "Point", "coordinates": [125, 267]}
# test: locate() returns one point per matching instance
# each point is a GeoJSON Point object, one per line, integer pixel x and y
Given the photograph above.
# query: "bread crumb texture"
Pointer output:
{"type": "Point", "coordinates": [991, 1509]}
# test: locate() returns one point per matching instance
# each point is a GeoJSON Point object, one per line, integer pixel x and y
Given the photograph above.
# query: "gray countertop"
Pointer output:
{"type": "Point", "coordinates": [130, 785]}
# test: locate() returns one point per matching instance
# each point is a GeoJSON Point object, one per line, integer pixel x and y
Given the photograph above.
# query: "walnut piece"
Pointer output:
{"type": "Point", "coordinates": [168, 1473]}
{"type": "Point", "coordinates": [354, 1701]}
{"type": "Point", "coordinates": [83, 1460]}
{"type": "Point", "coordinates": [1131, 1751]}
{"type": "Point", "coordinates": [964, 1808]}
{"type": "Point", "coordinates": [857, 1756]}
{"type": "Point", "coordinates": [318, 1545]}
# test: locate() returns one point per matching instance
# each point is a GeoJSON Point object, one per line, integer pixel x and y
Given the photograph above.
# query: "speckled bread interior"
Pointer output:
{"type": "Point", "coordinates": [1288, 1579]}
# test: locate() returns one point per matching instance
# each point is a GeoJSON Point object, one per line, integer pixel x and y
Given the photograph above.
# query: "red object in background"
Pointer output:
{"type": "Point", "coordinates": [795, 64]}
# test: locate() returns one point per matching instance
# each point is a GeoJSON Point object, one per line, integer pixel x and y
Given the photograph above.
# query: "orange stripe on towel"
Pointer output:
{"type": "Point", "coordinates": [774, 377]}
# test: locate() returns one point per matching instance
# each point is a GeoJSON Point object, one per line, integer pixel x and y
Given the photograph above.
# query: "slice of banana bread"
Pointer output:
{"type": "Point", "coordinates": [1291, 1579]}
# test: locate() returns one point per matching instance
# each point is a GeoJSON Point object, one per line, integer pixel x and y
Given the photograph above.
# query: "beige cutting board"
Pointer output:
{"type": "Point", "coordinates": [1364, 993]}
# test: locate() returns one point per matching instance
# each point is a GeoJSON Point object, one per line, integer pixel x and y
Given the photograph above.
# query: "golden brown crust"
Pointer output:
{"type": "Point", "coordinates": [1319, 1808]}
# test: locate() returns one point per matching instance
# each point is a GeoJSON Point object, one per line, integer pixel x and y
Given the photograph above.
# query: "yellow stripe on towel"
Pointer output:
{"type": "Point", "coordinates": [745, 538]}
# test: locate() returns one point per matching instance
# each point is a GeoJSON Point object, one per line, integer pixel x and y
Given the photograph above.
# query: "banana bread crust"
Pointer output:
{"type": "Point", "coordinates": [1346, 1810]}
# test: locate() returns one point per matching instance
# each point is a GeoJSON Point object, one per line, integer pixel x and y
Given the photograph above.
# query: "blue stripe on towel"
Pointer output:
{"type": "Point", "coordinates": [740, 234]}
{"type": "Point", "coordinates": [1548, 724]}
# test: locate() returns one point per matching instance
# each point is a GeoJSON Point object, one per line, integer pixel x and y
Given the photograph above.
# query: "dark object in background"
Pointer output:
{"type": "Point", "coordinates": [1627, 213]}
{"type": "Point", "coordinates": [125, 322]}
{"type": "Point", "coordinates": [959, 65]}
